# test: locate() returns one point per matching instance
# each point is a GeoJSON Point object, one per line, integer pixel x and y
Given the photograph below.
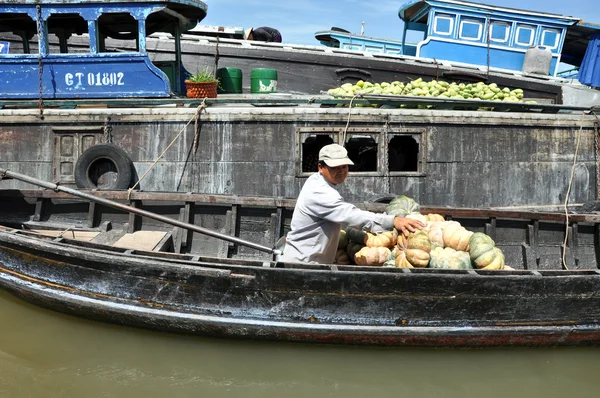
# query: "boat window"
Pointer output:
{"type": "Point", "coordinates": [363, 151]}
{"type": "Point", "coordinates": [17, 30]}
{"type": "Point", "coordinates": [61, 31]}
{"type": "Point", "coordinates": [525, 35]}
{"type": "Point", "coordinates": [403, 153]}
{"type": "Point", "coordinates": [366, 147]}
{"type": "Point", "coordinates": [550, 38]}
{"type": "Point", "coordinates": [443, 24]}
{"type": "Point", "coordinates": [499, 32]}
{"type": "Point", "coordinates": [470, 29]}
{"type": "Point", "coordinates": [311, 146]}
{"type": "Point", "coordinates": [118, 32]}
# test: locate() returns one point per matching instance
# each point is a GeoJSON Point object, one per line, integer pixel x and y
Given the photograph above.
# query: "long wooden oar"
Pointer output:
{"type": "Point", "coordinates": [144, 213]}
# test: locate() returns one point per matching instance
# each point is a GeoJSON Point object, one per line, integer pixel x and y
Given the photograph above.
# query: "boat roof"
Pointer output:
{"type": "Point", "coordinates": [187, 12]}
{"type": "Point", "coordinates": [191, 3]}
{"type": "Point", "coordinates": [229, 32]}
{"type": "Point", "coordinates": [409, 10]}
{"type": "Point", "coordinates": [576, 40]}
{"type": "Point", "coordinates": [328, 36]}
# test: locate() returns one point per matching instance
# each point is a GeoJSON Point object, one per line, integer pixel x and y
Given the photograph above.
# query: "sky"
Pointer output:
{"type": "Point", "coordinates": [299, 20]}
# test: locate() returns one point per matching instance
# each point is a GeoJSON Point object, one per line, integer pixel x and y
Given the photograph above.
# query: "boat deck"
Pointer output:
{"type": "Point", "coordinates": [282, 100]}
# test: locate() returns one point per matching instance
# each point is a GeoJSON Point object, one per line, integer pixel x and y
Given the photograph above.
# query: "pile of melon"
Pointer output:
{"type": "Point", "coordinates": [441, 244]}
{"type": "Point", "coordinates": [433, 88]}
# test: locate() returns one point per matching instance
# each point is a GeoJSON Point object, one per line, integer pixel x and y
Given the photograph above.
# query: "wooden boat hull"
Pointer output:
{"type": "Point", "coordinates": [252, 297]}
{"type": "Point", "coordinates": [95, 296]}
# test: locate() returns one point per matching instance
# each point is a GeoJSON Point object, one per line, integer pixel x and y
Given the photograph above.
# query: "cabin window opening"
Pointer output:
{"type": "Point", "coordinates": [364, 152]}
{"type": "Point", "coordinates": [550, 38]}
{"type": "Point", "coordinates": [403, 153]}
{"type": "Point", "coordinates": [470, 29]}
{"type": "Point", "coordinates": [17, 31]}
{"type": "Point", "coordinates": [310, 151]}
{"type": "Point", "coordinates": [525, 36]}
{"type": "Point", "coordinates": [499, 32]}
{"type": "Point", "coordinates": [118, 32]}
{"type": "Point", "coordinates": [443, 24]}
{"type": "Point", "coordinates": [61, 31]}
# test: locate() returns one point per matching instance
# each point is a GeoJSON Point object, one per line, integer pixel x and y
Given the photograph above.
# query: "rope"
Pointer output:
{"type": "Point", "coordinates": [348, 122]}
{"type": "Point", "coordinates": [196, 120]}
{"type": "Point", "coordinates": [437, 69]}
{"type": "Point", "coordinates": [107, 131]}
{"type": "Point", "coordinates": [195, 117]}
{"type": "Point", "coordinates": [564, 256]}
{"type": "Point", "coordinates": [69, 229]}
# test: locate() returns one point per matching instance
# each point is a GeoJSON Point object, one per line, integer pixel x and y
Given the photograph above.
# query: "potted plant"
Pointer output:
{"type": "Point", "coordinates": [202, 84]}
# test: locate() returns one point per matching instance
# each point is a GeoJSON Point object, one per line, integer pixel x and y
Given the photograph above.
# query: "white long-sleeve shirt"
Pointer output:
{"type": "Point", "coordinates": [316, 223]}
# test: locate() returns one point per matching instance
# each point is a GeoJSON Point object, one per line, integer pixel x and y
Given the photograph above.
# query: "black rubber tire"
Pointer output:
{"type": "Point", "coordinates": [104, 162]}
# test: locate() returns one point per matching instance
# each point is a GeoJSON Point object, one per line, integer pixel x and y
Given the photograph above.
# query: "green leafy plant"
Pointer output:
{"type": "Point", "coordinates": [202, 76]}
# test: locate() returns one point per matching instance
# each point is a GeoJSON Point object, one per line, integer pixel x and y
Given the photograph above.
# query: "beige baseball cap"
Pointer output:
{"type": "Point", "coordinates": [334, 155]}
{"type": "Point", "coordinates": [247, 33]}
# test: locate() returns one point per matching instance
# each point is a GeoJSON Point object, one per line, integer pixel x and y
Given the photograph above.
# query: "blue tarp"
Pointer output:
{"type": "Point", "coordinates": [589, 72]}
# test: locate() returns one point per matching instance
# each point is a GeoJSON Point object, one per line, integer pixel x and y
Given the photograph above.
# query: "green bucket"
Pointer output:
{"type": "Point", "coordinates": [230, 80]}
{"type": "Point", "coordinates": [263, 80]}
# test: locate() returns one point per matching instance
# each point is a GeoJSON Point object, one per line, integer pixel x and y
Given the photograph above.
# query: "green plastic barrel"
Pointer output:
{"type": "Point", "coordinates": [230, 80]}
{"type": "Point", "coordinates": [263, 80]}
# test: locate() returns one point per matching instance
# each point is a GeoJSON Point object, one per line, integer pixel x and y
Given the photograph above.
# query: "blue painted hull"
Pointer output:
{"type": "Point", "coordinates": [85, 76]}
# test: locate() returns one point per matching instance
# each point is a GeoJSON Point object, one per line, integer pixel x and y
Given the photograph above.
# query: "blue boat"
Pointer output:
{"type": "Point", "coordinates": [54, 72]}
{"type": "Point", "coordinates": [343, 39]}
{"type": "Point", "coordinates": [496, 37]}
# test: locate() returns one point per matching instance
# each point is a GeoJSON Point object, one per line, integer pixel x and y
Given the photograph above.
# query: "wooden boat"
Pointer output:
{"type": "Point", "coordinates": [248, 155]}
{"type": "Point", "coordinates": [72, 255]}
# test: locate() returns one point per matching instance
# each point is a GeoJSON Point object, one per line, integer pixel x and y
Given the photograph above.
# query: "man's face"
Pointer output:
{"type": "Point", "coordinates": [334, 175]}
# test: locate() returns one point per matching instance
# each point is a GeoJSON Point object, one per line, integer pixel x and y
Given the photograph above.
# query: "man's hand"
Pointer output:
{"type": "Point", "coordinates": [406, 225]}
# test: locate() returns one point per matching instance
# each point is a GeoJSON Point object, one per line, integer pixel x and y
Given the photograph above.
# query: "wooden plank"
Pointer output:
{"type": "Point", "coordinates": [490, 228]}
{"type": "Point", "coordinates": [178, 233]}
{"type": "Point", "coordinates": [567, 251]}
{"type": "Point", "coordinates": [134, 219]}
{"type": "Point", "coordinates": [140, 240]}
{"type": "Point", "coordinates": [597, 244]}
{"type": "Point", "coordinates": [276, 226]}
{"type": "Point", "coordinates": [92, 214]}
{"type": "Point", "coordinates": [165, 243]}
{"type": "Point", "coordinates": [531, 256]}
{"type": "Point", "coordinates": [70, 234]}
{"type": "Point", "coordinates": [39, 209]}
{"type": "Point", "coordinates": [575, 243]}
{"type": "Point", "coordinates": [187, 217]}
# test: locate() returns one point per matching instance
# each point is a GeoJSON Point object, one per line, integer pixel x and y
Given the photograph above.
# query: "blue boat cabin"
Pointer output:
{"type": "Point", "coordinates": [479, 34]}
{"type": "Point", "coordinates": [54, 70]}
{"type": "Point", "coordinates": [343, 39]}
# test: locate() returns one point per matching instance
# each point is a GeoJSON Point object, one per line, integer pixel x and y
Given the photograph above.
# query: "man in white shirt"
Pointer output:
{"type": "Point", "coordinates": [320, 212]}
